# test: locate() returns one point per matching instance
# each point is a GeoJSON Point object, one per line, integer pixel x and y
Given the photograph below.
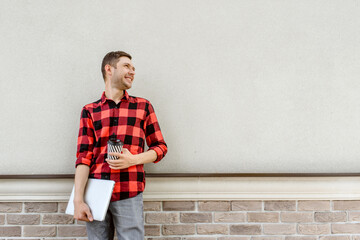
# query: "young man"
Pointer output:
{"type": "Point", "coordinates": [133, 121]}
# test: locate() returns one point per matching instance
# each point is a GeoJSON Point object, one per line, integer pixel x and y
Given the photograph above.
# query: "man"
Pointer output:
{"type": "Point", "coordinates": [133, 121]}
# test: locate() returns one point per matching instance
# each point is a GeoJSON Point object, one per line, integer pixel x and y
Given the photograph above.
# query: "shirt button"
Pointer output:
{"type": "Point", "coordinates": [115, 120]}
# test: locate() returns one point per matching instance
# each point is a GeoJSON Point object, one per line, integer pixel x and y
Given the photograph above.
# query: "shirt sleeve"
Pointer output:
{"type": "Point", "coordinates": [86, 137]}
{"type": "Point", "coordinates": [154, 137]}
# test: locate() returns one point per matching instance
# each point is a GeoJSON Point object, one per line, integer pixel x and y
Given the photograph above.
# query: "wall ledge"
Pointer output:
{"type": "Point", "coordinates": [199, 188]}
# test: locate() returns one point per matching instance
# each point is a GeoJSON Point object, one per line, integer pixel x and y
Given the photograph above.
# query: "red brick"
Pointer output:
{"type": "Point", "coordinates": [234, 238]}
{"type": "Point", "coordinates": [152, 206]}
{"type": "Point", "coordinates": [229, 217]}
{"type": "Point", "coordinates": [267, 238]}
{"type": "Point", "coordinates": [41, 207]}
{"type": "Point", "coordinates": [10, 231]}
{"type": "Point", "coordinates": [297, 217]}
{"type": "Point", "coordinates": [209, 229]}
{"type": "Point", "coordinates": [354, 216]}
{"type": "Point", "coordinates": [301, 238]}
{"type": "Point", "coordinates": [245, 229]}
{"type": "Point", "coordinates": [199, 238]}
{"type": "Point", "coordinates": [39, 231]}
{"type": "Point", "coordinates": [313, 205]}
{"type": "Point", "coordinates": [161, 217]}
{"type": "Point", "coordinates": [57, 219]}
{"type": "Point", "coordinates": [182, 229]}
{"type": "Point", "coordinates": [62, 207]}
{"type": "Point", "coordinates": [347, 205]}
{"type": "Point", "coordinates": [165, 238]}
{"type": "Point", "coordinates": [280, 205]}
{"type": "Point", "coordinates": [196, 217]}
{"type": "Point", "coordinates": [72, 231]}
{"type": "Point", "coordinates": [178, 206]}
{"type": "Point", "coordinates": [352, 228]}
{"type": "Point", "coordinates": [214, 206]}
{"type": "Point", "coordinates": [279, 229]}
{"type": "Point", "coordinates": [246, 206]}
{"type": "Point", "coordinates": [335, 238]}
{"type": "Point", "coordinates": [64, 238]}
{"type": "Point", "coordinates": [330, 217]}
{"type": "Point", "coordinates": [314, 229]}
{"type": "Point", "coordinates": [8, 207]}
{"type": "Point", "coordinates": [263, 217]}
{"type": "Point", "coordinates": [152, 230]}
{"type": "Point", "coordinates": [23, 219]}
{"type": "Point", "coordinates": [34, 239]}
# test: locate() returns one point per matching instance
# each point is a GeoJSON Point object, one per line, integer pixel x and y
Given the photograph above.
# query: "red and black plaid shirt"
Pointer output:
{"type": "Point", "coordinates": [133, 121]}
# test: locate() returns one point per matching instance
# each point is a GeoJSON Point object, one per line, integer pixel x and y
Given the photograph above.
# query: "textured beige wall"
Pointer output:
{"type": "Point", "coordinates": [238, 86]}
{"type": "Point", "coordinates": [210, 220]}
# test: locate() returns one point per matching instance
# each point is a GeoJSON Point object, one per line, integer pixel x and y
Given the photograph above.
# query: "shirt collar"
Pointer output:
{"type": "Point", "coordinates": [104, 98]}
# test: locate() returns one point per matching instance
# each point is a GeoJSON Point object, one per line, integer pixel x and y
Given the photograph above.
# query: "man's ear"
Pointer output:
{"type": "Point", "coordinates": [108, 70]}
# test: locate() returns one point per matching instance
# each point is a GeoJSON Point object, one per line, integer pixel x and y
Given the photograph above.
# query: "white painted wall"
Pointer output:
{"type": "Point", "coordinates": [238, 86]}
{"type": "Point", "coordinates": [203, 188]}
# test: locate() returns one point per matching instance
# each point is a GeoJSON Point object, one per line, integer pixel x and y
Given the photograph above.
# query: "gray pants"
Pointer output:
{"type": "Point", "coordinates": [126, 216]}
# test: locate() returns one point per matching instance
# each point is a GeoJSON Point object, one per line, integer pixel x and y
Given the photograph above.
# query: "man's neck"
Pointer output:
{"type": "Point", "coordinates": [114, 94]}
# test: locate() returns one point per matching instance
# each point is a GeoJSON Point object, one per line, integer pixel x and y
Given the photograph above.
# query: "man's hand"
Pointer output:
{"type": "Point", "coordinates": [82, 212]}
{"type": "Point", "coordinates": [125, 160]}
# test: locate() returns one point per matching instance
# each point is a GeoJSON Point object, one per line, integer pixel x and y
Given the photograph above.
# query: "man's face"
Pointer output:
{"type": "Point", "coordinates": [123, 75]}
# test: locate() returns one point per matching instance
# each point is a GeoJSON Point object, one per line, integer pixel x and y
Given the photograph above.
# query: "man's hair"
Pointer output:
{"type": "Point", "coordinates": [112, 58]}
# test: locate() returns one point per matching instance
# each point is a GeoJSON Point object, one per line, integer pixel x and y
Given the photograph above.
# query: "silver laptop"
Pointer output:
{"type": "Point", "coordinates": [97, 195]}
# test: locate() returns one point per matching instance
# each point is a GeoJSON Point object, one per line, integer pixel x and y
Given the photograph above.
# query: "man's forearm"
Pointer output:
{"type": "Point", "coordinates": [127, 159]}
{"type": "Point", "coordinates": [81, 177]}
{"type": "Point", "coordinates": [146, 157]}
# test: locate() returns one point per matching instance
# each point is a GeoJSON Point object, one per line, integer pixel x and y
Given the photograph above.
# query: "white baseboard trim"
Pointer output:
{"type": "Point", "coordinates": [199, 188]}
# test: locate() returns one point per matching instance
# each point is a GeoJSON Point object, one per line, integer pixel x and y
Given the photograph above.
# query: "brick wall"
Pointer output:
{"type": "Point", "coordinates": [199, 220]}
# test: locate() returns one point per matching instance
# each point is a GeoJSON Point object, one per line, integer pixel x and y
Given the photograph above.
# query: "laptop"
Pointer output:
{"type": "Point", "coordinates": [97, 196]}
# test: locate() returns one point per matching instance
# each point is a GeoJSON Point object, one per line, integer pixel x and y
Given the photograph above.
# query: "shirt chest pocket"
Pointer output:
{"type": "Point", "coordinates": [135, 122]}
